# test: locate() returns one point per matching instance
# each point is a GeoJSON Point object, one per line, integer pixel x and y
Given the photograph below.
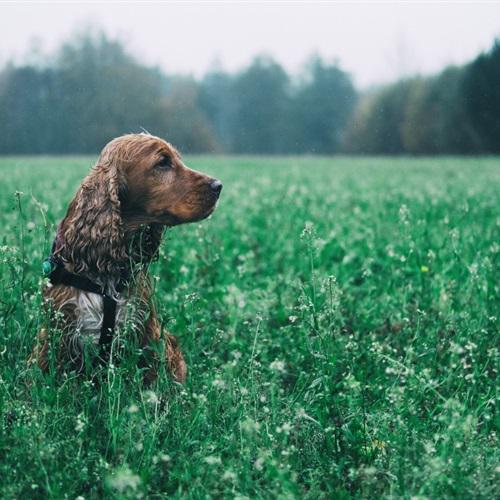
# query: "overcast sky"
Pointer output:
{"type": "Point", "coordinates": [375, 42]}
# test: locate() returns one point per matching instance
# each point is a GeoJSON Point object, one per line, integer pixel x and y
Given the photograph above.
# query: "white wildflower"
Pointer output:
{"type": "Point", "coordinates": [285, 428]}
{"type": "Point", "coordinates": [200, 397]}
{"type": "Point", "coordinates": [229, 475]}
{"type": "Point", "coordinates": [212, 460]}
{"type": "Point", "coordinates": [80, 423]}
{"type": "Point", "coordinates": [249, 425]}
{"type": "Point", "coordinates": [151, 397]}
{"type": "Point", "coordinates": [259, 463]}
{"type": "Point", "coordinates": [277, 366]}
{"type": "Point", "coordinates": [133, 408]}
{"type": "Point", "coordinates": [404, 214]}
{"type": "Point", "coordinates": [124, 479]}
{"type": "Point", "coordinates": [219, 383]}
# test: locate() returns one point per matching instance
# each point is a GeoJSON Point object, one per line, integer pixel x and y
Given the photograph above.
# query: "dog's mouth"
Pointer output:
{"type": "Point", "coordinates": [206, 207]}
{"type": "Point", "coordinates": [203, 214]}
{"type": "Point", "coordinates": [171, 219]}
{"type": "Point", "coordinates": [192, 208]}
{"type": "Point", "coordinates": [197, 205]}
{"type": "Point", "coordinates": [210, 211]}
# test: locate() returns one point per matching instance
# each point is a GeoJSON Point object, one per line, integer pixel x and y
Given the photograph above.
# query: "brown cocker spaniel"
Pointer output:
{"type": "Point", "coordinates": [99, 291]}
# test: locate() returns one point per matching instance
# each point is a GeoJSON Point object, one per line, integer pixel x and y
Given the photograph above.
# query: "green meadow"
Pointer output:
{"type": "Point", "coordinates": [339, 317]}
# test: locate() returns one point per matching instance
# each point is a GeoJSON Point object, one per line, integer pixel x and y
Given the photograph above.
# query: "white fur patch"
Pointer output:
{"type": "Point", "coordinates": [90, 314]}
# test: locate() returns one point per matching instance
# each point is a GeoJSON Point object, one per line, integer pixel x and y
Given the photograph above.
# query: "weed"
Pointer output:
{"type": "Point", "coordinates": [340, 322]}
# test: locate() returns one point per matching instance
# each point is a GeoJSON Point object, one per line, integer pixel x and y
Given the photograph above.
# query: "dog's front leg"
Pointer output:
{"type": "Point", "coordinates": [175, 359]}
{"type": "Point", "coordinates": [173, 355]}
{"type": "Point", "coordinates": [40, 353]}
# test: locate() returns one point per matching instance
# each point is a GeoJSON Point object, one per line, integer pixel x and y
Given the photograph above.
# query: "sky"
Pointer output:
{"type": "Point", "coordinates": [375, 42]}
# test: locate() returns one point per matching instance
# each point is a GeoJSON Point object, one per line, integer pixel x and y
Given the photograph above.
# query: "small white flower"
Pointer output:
{"type": "Point", "coordinates": [133, 408]}
{"type": "Point", "coordinates": [151, 397]}
{"type": "Point", "coordinates": [277, 366]}
{"type": "Point", "coordinates": [212, 460]}
{"type": "Point", "coordinates": [80, 423]}
{"type": "Point", "coordinates": [229, 475]}
{"type": "Point", "coordinates": [219, 383]}
{"type": "Point", "coordinates": [200, 397]}
{"type": "Point", "coordinates": [404, 214]}
{"type": "Point", "coordinates": [249, 425]}
{"type": "Point", "coordinates": [259, 463]}
{"type": "Point", "coordinates": [124, 479]}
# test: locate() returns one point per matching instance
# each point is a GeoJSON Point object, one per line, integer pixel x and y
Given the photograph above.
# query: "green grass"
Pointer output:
{"type": "Point", "coordinates": [340, 322]}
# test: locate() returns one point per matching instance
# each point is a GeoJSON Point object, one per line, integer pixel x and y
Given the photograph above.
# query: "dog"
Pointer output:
{"type": "Point", "coordinates": [98, 268]}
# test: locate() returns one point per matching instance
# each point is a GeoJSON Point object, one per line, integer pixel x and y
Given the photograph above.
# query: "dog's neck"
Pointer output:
{"type": "Point", "coordinates": [142, 242]}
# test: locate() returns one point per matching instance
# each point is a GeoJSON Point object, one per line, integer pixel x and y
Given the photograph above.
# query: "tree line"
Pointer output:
{"type": "Point", "coordinates": [92, 90]}
{"type": "Point", "coordinates": [454, 112]}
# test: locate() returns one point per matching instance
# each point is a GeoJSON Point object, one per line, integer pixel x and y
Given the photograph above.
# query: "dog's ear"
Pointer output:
{"type": "Point", "coordinates": [91, 236]}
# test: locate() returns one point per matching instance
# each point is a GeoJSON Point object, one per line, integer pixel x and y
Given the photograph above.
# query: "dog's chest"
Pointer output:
{"type": "Point", "coordinates": [89, 313]}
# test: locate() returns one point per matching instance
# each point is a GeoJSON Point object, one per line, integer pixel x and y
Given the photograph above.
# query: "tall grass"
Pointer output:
{"type": "Point", "coordinates": [340, 322]}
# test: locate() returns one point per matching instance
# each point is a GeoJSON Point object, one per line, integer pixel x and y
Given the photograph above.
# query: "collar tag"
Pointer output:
{"type": "Point", "coordinates": [47, 267]}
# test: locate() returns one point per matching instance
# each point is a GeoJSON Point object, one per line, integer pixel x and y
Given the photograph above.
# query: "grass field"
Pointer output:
{"type": "Point", "coordinates": [340, 322]}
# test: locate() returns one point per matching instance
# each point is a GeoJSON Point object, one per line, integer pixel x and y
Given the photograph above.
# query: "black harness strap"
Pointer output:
{"type": "Point", "coordinates": [58, 275]}
{"type": "Point", "coordinates": [108, 326]}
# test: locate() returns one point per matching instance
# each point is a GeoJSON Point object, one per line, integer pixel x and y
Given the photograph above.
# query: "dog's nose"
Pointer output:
{"type": "Point", "coordinates": [216, 187]}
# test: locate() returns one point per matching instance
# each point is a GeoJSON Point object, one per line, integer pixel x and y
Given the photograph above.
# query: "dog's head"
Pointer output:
{"type": "Point", "coordinates": [138, 180]}
{"type": "Point", "coordinates": [155, 184]}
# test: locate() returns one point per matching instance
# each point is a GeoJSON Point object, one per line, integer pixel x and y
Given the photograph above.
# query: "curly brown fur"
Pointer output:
{"type": "Point", "coordinates": [110, 234]}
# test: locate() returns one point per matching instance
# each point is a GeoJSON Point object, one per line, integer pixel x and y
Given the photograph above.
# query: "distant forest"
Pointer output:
{"type": "Point", "coordinates": [92, 90]}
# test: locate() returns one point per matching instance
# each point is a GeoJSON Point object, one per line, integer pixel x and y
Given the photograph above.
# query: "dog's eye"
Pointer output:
{"type": "Point", "coordinates": [164, 164]}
